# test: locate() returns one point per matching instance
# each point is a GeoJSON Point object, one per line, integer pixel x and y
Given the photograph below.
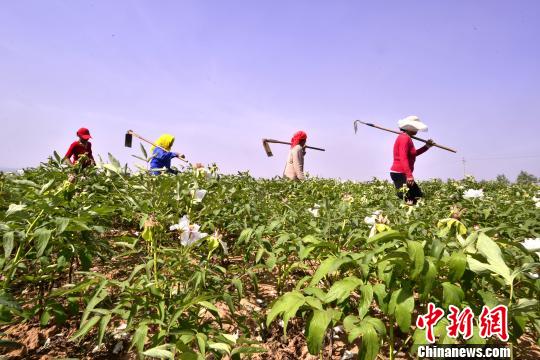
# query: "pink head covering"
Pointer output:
{"type": "Point", "coordinates": [297, 137]}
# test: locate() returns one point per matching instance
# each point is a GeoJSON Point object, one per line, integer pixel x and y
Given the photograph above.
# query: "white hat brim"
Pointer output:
{"type": "Point", "coordinates": [407, 124]}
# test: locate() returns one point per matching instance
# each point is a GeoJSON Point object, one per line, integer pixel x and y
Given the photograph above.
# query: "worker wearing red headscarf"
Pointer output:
{"type": "Point", "coordinates": [294, 169]}
{"type": "Point", "coordinates": [79, 148]}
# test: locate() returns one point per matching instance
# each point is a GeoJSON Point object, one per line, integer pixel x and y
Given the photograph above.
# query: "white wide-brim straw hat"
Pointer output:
{"type": "Point", "coordinates": [412, 123]}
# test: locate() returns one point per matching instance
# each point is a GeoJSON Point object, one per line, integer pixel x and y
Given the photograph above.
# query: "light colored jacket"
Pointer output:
{"type": "Point", "coordinates": [294, 169]}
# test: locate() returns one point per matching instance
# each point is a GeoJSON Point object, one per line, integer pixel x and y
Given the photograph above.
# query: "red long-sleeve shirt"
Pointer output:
{"type": "Point", "coordinates": [77, 149]}
{"type": "Point", "coordinates": [405, 155]}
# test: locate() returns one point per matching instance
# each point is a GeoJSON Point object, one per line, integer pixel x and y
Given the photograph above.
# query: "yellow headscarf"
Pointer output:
{"type": "Point", "coordinates": [165, 141]}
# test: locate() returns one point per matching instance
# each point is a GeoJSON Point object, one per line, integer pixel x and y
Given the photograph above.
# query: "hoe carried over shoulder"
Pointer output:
{"type": "Point", "coordinates": [266, 145]}
{"type": "Point", "coordinates": [397, 132]}
{"type": "Point", "coordinates": [129, 141]}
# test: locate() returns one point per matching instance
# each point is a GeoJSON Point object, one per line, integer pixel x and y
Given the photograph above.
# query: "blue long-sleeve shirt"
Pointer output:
{"type": "Point", "coordinates": [162, 159]}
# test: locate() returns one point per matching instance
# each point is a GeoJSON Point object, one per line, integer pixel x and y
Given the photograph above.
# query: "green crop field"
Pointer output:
{"type": "Point", "coordinates": [205, 266]}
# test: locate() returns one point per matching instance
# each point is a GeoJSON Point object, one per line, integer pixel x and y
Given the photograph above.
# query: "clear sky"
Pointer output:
{"type": "Point", "coordinates": [221, 75]}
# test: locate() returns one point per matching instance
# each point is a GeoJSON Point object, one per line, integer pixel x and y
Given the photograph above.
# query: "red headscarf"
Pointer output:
{"type": "Point", "coordinates": [297, 137]}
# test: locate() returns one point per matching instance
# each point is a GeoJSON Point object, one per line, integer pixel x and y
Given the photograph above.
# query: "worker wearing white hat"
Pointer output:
{"type": "Point", "coordinates": [404, 158]}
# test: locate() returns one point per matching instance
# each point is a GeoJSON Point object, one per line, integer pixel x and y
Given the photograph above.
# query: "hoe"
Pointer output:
{"type": "Point", "coordinates": [266, 145]}
{"type": "Point", "coordinates": [397, 132]}
{"type": "Point", "coordinates": [129, 141]}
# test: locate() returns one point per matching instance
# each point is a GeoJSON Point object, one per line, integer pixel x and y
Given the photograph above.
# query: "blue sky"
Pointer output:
{"type": "Point", "coordinates": [221, 75]}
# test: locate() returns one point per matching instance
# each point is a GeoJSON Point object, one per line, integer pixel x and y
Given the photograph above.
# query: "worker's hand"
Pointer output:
{"type": "Point", "coordinates": [410, 181]}
{"type": "Point", "coordinates": [430, 143]}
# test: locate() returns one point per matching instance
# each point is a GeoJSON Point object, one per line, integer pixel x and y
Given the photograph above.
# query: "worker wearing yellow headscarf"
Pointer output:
{"type": "Point", "coordinates": [162, 155]}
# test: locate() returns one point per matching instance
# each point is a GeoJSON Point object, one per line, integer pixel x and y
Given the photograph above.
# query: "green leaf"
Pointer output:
{"type": "Point", "coordinates": [416, 254]}
{"type": "Point", "coordinates": [402, 306]}
{"type": "Point", "coordinates": [452, 295]}
{"type": "Point", "coordinates": [44, 319]}
{"type": "Point", "coordinates": [287, 305]}
{"type": "Point", "coordinates": [201, 342]}
{"type": "Point", "coordinates": [370, 343]}
{"type": "Point", "coordinates": [342, 289]}
{"type": "Point", "coordinates": [143, 150]}
{"type": "Point", "coordinates": [114, 161]}
{"type": "Point", "coordinates": [365, 301]}
{"type": "Point", "coordinates": [100, 294]}
{"type": "Point", "coordinates": [316, 330]}
{"type": "Point", "coordinates": [8, 238]}
{"type": "Point", "coordinates": [488, 298]}
{"type": "Point", "coordinates": [380, 293]}
{"type": "Point", "coordinates": [491, 251]}
{"type": "Point", "coordinates": [429, 275]}
{"type": "Point", "coordinates": [457, 264]}
{"type": "Point", "coordinates": [139, 338]}
{"type": "Point", "coordinates": [13, 208]}
{"type": "Point", "coordinates": [7, 302]}
{"type": "Point", "coordinates": [524, 306]}
{"type": "Point", "coordinates": [103, 327]}
{"type": "Point", "coordinates": [209, 306]}
{"type": "Point", "coordinates": [384, 236]}
{"type": "Point", "coordinates": [86, 327]}
{"type": "Point", "coordinates": [42, 240]}
{"type": "Point", "coordinates": [159, 353]}
{"type": "Point", "coordinates": [222, 347]}
{"type": "Point", "coordinates": [61, 224]}
{"type": "Point", "coordinates": [328, 266]}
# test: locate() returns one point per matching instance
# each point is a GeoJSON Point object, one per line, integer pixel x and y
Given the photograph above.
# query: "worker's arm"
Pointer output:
{"type": "Point", "coordinates": [69, 154]}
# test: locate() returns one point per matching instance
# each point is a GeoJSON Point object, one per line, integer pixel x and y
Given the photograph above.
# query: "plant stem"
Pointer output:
{"type": "Point", "coordinates": [392, 341]}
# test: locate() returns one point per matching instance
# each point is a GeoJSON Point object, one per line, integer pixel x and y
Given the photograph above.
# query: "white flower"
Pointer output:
{"type": "Point", "coordinates": [20, 172]}
{"type": "Point", "coordinates": [532, 276]}
{"type": "Point", "coordinates": [472, 193]}
{"type": "Point", "coordinates": [182, 225]}
{"type": "Point", "coordinates": [98, 348]}
{"type": "Point", "coordinates": [338, 329]}
{"type": "Point", "coordinates": [204, 171]}
{"type": "Point", "coordinates": [536, 201]}
{"type": "Point", "coordinates": [216, 235]}
{"type": "Point", "coordinates": [370, 220]}
{"type": "Point", "coordinates": [315, 210]}
{"type": "Point", "coordinates": [190, 232]}
{"type": "Point", "coordinates": [198, 195]}
{"type": "Point", "coordinates": [531, 244]}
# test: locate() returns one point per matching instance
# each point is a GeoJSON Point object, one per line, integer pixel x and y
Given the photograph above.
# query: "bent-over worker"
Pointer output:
{"type": "Point", "coordinates": [162, 155]}
{"type": "Point", "coordinates": [81, 148]}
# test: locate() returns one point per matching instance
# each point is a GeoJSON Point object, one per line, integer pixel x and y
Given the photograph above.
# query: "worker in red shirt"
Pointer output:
{"type": "Point", "coordinates": [79, 148]}
{"type": "Point", "coordinates": [404, 157]}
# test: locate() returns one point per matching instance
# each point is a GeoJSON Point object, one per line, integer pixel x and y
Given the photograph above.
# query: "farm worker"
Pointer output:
{"type": "Point", "coordinates": [162, 155]}
{"type": "Point", "coordinates": [294, 169]}
{"type": "Point", "coordinates": [80, 148]}
{"type": "Point", "coordinates": [404, 157]}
